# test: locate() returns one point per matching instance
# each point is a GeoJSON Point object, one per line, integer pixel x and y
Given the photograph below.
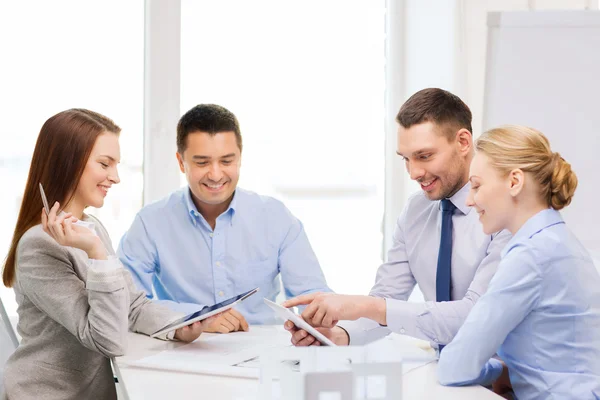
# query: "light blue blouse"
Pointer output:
{"type": "Point", "coordinates": [541, 314]}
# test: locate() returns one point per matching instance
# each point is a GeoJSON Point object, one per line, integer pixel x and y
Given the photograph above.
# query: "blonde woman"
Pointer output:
{"type": "Point", "coordinates": [76, 302]}
{"type": "Point", "coordinates": [541, 312]}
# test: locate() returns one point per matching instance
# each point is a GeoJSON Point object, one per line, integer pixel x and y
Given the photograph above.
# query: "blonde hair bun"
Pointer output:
{"type": "Point", "coordinates": [563, 183]}
{"type": "Point", "coordinates": [512, 147]}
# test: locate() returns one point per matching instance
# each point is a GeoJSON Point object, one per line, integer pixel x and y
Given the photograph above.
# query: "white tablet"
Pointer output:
{"type": "Point", "coordinates": [288, 314]}
{"type": "Point", "coordinates": [206, 312]}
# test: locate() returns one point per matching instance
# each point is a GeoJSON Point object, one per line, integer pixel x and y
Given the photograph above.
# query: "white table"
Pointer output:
{"type": "Point", "coordinates": [149, 384]}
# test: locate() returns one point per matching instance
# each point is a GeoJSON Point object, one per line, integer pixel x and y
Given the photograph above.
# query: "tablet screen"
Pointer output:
{"type": "Point", "coordinates": [209, 309]}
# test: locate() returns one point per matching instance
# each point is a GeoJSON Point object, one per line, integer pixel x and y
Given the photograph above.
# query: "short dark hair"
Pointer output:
{"type": "Point", "coordinates": [439, 106]}
{"type": "Point", "coordinates": [209, 118]}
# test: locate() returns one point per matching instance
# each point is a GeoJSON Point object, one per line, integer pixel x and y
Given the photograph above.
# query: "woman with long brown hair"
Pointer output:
{"type": "Point", "coordinates": [75, 301]}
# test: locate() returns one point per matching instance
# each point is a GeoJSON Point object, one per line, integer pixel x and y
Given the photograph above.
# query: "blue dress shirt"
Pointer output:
{"type": "Point", "coordinates": [173, 254]}
{"type": "Point", "coordinates": [541, 313]}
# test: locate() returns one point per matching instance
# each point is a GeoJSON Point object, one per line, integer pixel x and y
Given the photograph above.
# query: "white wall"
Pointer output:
{"type": "Point", "coordinates": [543, 73]}
{"type": "Point", "coordinates": [470, 50]}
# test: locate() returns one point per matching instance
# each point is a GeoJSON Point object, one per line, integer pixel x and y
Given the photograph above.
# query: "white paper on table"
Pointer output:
{"type": "Point", "coordinates": [396, 346]}
{"type": "Point", "coordinates": [218, 354]}
{"type": "Point", "coordinates": [236, 354]}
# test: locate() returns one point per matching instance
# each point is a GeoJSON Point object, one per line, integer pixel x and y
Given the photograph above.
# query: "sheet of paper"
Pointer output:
{"type": "Point", "coordinates": [406, 348]}
{"type": "Point", "coordinates": [237, 354]}
{"type": "Point", "coordinates": [218, 354]}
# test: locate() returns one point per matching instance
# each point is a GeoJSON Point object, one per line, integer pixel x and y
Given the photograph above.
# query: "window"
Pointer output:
{"type": "Point", "coordinates": [306, 82]}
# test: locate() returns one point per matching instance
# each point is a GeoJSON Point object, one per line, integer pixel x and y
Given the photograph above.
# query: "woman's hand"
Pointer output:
{"type": "Point", "coordinates": [192, 332]}
{"type": "Point", "coordinates": [62, 229]}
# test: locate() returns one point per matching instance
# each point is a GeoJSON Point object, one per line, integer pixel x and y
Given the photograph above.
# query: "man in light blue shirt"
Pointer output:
{"type": "Point", "coordinates": [212, 240]}
{"type": "Point", "coordinates": [437, 244]}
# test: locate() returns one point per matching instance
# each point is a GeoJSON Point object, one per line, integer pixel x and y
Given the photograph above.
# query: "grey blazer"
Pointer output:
{"type": "Point", "coordinates": [73, 316]}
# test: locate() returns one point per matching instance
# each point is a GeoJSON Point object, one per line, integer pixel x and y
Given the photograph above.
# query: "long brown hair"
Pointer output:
{"type": "Point", "coordinates": [61, 152]}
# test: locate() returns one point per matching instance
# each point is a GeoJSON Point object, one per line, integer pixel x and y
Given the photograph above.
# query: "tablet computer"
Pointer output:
{"type": "Point", "coordinates": [288, 314]}
{"type": "Point", "coordinates": [206, 312]}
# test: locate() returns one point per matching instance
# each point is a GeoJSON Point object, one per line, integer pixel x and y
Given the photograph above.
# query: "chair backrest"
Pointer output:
{"type": "Point", "coordinates": [8, 342]}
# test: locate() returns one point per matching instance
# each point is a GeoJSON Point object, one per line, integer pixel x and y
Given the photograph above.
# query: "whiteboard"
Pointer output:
{"type": "Point", "coordinates": [543, 71]}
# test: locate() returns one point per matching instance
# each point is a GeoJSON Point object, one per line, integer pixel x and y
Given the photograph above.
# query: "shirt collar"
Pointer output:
{"type": "Point", "coordinates": [195, 215]}
{"type": "Point", "coordinates": [459, 199]}
{"type": "Point", "coordinates": [535, 224]}
{"type": "Point", "coordinates": [233, 205]}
